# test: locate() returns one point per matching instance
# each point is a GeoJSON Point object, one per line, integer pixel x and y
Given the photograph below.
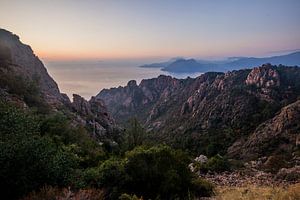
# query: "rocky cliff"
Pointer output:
{"type": "Point", "coordinates": [211, 112]}
{"type": "Point", "coordinates": [20, 60]}
{"type": "Point", "coordinates": [278, 134]}
{"type": "Point", "coordinates": [136, 100]}
{"type": "Point", "coordinates": [94, 115]}
{"type": "Point", "coordinates": [25, 81]}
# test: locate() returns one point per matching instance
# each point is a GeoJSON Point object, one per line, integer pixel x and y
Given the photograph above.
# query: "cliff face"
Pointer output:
{"type": "Point", "coordinates": [136, 100]}
{"type": "Point", "coordinates": [266, 77]}
{"type": "Point", "coordinates": [21, 61]}
{"type": "Point", "coordinates": [221, 109]}
{"type": "Point", "coordinates": [94, 115]}
{"type": "Point", "coordinates": [279, 134]}
{"type": "Point", "coordinates": [25, 81]}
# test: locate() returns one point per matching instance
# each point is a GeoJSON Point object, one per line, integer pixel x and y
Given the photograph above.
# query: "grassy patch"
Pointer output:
{"type": "Point", "coordinates": [251, 192]}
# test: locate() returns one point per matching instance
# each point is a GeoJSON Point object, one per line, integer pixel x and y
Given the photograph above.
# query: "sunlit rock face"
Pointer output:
{"type": "Point", "coordinates": [265, 76]}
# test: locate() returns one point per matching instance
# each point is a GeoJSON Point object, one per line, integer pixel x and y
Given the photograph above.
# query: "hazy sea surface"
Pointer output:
{"type": "Point", "coordinates": [89, 78]}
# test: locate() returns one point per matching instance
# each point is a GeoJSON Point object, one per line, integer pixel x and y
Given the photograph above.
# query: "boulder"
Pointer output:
{"type": "Point", "coordinates": [201, 159]}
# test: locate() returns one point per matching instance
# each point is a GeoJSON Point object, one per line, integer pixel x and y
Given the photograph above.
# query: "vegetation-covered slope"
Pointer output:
{"type": "Point", "coordinates": [212, 112]}
{"type": "Point", "coordinates": [49, 145]}
{"type": "Point", "coordinates": [25, 81]}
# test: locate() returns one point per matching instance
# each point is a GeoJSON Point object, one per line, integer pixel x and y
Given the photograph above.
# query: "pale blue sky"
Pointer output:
{"type": "Point", "coordinates": [138, 29]}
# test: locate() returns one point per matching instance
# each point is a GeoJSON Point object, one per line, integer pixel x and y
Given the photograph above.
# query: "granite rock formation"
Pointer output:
{"type": "Point", "coordinates": [94, 114]}
{"type": "Point", "coordinates": [215, 110]}
{"type": "Point", "coordinates": [24, 80]}
{"type": "Point", "coordinates": [22, 62]}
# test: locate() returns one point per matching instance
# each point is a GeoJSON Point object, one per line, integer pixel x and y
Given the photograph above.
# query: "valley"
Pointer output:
{"type": "Point", "coordinates": [164, 138]}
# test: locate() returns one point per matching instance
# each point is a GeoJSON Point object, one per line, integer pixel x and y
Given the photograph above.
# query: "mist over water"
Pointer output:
{"type": "Point", "coordinates": [90, 77]}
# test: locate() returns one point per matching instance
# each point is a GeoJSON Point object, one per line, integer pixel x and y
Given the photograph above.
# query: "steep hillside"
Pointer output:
{"type": "Point", "coordinates": [18, 60]}
{"type": "Point", "coordinates": [137, 100]}
{"type": "Point", "coordinates": [25, 81]}
{"type": "Point", "coordinates": [94, 116]}
{"type": "Point", "coordinates": [278, 134]}
{"type": "Point", "coordinates": [211, 112]}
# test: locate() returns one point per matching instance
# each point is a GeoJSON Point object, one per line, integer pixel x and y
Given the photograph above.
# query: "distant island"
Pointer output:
{"type": "Point", "coordinates": [181, 65]}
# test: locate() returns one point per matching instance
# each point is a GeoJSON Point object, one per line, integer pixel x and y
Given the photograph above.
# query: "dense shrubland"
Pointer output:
{"type": "Point", "coordinates": [216, 163]}
{"type": "Point", "coordinates": [27, 90]}
{"type": "Point", "coordinates": [39, 151]}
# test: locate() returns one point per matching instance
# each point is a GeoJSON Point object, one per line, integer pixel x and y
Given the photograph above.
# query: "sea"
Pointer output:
{"type": "Point", "coordinates": [88, 78]}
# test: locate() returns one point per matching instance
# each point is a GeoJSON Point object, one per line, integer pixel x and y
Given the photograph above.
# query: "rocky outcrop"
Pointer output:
{"type": "Point", "coordinates": [21, 61]}
{"type": "Point", "coordinates": [265, 76]}
{"type": "Point", "coordinates": [266, 80]}
{"type": "Point", "coordinates": [81, 106]}
{"type": "Point", "coordinates": [136, 100]}
{"type": "Point", "coordinates": [278, 134]}
{"type": "Point", "coordinates": [94, 115]}
{"type": "Point", "coordinates": [24, 80]}
{"type": "Point", "coordinates": [221, 109]}
{"type": "Point", "coordinates": [202, 159]}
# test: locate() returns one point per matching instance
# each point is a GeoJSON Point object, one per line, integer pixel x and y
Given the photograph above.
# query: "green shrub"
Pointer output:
{"type": "Point", "coordinates": [42, 151]}
{"type": "Point", "coordinates": [135, 135]}
{"type": "Point", "coordinates": [151, 173]}
{"type": "Point", "coordinates": [274, 163]}
{"type": "Point", "coordinates": [213, 149]}
{"type": "Point", "coordinates": [27, 163]}
{"type": "Point", "coordinates": [28, 160]}
{"type": "Point", "coordinates": [157, 171]}
{"type": "Point", "coordinates": [109, 175]}
{"type": "Point", "coordinates": [235, 164]}
{"type": "Point", "coordinates": [214, 164]}
{"type": "Point", "coordinates": [202, 187]}
{"type": "Point", "coordinates": [217, 164]}
{"type": "Point", "coordinates": [75, 140]}
{"type": "Point", "coordinates": [14, 121]}
{"type": "Point", "coordinates": [26, 89]}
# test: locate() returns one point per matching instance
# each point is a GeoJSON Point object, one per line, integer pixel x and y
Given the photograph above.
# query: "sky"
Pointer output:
{"type": "Point", "coordinates": [153, 29]}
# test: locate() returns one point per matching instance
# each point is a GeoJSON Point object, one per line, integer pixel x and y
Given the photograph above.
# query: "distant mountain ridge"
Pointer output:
{"type": "Point", "coordinates": [161, 64]}
{"type": "Point", "coordinates": [233, 63]}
